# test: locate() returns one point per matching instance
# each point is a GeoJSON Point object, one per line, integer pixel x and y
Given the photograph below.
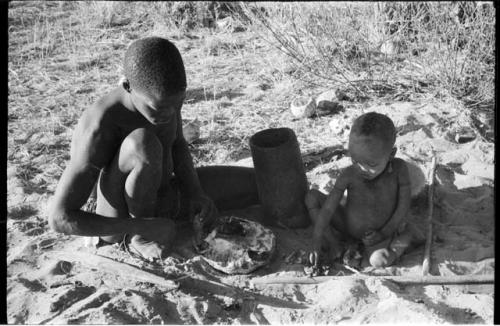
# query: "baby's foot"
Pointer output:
{"type": "Point", "coordinates": [382, 258]}
{"type": "Point", "coordinates": [387, 256]}
{"type": "Point", "coordinates": [149, 250]}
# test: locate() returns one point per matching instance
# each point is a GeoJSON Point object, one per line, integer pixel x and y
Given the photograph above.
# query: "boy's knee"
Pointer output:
{"type": "Point", "coordinates": [142, 147]}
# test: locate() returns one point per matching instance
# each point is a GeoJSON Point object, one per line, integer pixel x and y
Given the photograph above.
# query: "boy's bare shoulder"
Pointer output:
{"type": "Point", "coordinates": [103, 110]}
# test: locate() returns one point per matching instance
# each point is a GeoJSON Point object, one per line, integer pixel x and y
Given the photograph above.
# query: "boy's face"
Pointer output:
{"type": "Point", "coordinates": [159, 109]}
{"type": "Point", "coordinates": [370, 155]}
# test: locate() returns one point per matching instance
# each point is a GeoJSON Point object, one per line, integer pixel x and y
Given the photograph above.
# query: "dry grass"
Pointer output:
{"type": "Point", "coordinates": [394, 47]}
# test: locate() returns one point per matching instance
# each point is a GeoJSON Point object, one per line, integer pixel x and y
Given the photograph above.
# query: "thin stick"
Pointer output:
{"type": "Point", "coordinates": [123, 269]}
{"type": "Point", "coordinates": [428, 242]}
{"type": "Point", "coordinates": [400, 279]}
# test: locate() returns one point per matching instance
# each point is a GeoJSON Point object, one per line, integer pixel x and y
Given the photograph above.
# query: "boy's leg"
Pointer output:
{"type": "Point", "coordinates": [128, 186]}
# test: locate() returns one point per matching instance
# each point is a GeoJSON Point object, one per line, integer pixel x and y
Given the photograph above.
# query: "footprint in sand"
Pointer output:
{"type": "Point", "coordinates": [60, 267]}
{"type": "Point", "coordinates": [35, 231]}
{"type": "Point", "coordinates": [46, 243]}
{"type": "Point", "coordinates": [65, 299]}
{"type": "Point", "coordinates": [21, 212]}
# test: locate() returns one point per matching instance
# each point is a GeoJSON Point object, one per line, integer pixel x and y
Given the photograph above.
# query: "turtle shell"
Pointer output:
{"type": "Point", "coordinates": [238, 246]}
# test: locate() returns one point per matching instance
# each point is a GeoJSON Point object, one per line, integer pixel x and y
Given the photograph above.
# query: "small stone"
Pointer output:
{"type": "Point", "coordinates": [328, 102]}
{"type": "Point", "coordinates": [328, 96]}
{"type": "Point", "coordinates": [465, 137]}
{"type": "Point", "coordinates": [303, 107]}
{"type": "Point", "coordinates": [191, 131]}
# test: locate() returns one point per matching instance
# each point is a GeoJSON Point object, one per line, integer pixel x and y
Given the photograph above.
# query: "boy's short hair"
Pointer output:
{"type": "Point", "coordinates": [375, 124]}
{"type": "Point", "coordinates": [154, 65]}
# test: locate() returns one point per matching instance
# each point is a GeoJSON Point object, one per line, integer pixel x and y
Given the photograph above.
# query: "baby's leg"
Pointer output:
{"type": "Point", "coordinates": [387, 252]}
{"type": "Point", "coordinates": [128, 186]}
{"type": "Point", "coordinates": [314, 201]}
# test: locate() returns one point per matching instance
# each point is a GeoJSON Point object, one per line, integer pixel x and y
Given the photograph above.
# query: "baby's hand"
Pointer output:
{"type": "Point", "coordinates": [372, 237]}
{"type": "Point", "coordinates": [314, 255]}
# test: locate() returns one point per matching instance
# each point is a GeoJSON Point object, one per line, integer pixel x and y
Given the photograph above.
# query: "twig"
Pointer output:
{"type": "Point", "coordinates": [123, 269]}
{"type": "Point", "coordinates": [354, 270]}
{"type": "Point", "coordinates": [400, 279]}
{"type": "Point", "coordinates": [428, 243]}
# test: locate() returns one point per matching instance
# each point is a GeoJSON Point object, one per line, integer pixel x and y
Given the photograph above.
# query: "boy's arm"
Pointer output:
{"type": "Point", "coordinates": [183, 164]}
{"type": "Point", "coordinates": [404, 199]}
{"type": "Point", "coordinates": [189, 182]}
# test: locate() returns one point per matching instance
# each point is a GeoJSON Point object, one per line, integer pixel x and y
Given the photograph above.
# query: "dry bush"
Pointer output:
{"type": "Point", "coordinates": [382, 47]}
{"type": "Point", "coordinates": [451, 43]}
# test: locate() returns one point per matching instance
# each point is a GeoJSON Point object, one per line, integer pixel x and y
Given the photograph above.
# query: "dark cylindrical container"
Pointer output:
{"type": "Point", "coordinates": [280, 175]}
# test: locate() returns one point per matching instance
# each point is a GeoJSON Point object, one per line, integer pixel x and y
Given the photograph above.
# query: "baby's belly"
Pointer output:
{"type": "Point", "coordinates": [361, 219]}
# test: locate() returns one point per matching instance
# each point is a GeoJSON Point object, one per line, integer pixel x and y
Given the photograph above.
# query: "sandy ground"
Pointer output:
{"type": "Point", "coordinates": [44, 289]}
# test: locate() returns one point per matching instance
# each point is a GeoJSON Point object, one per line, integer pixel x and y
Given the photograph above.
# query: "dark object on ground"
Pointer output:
{"type": "Point", "coordinates": [281, 179]}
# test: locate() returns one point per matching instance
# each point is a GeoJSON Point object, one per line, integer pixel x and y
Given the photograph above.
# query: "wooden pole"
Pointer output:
{"type": "Point", "coordinates": [124, 270]}
{"type": "Point", "coordinates": [401, 279]}
{"type": "Point", "coordinates": [428, 242]}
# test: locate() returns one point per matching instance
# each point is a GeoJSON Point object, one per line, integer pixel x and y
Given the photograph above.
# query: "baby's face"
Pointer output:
{"type": "Point", "coordinates": [157, 109]}
{"type": "Point", "coordinates": [370, 155]}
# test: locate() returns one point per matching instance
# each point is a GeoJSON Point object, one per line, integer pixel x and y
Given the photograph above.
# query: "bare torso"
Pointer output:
{"type": "Point", "coordinates": [370, 203]}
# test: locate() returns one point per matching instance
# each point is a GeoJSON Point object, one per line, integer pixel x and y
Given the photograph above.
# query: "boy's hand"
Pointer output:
{"type": "Point", "coordinates": [203, 209]}
{"type": "Point", "coordinates": [161, 230]}
{"type": "Point", "coordinates": [372, 237]}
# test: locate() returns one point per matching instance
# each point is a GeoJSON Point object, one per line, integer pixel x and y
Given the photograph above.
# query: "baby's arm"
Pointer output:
{"type": "Point", "coordinates": [329, 207]}
{"type": "Point", "coordinates": [404, 197]}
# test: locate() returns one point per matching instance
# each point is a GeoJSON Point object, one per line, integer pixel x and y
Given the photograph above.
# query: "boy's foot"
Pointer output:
{"type": "Point", "coordinates": [146, 249]}
{"type": "Point", "coordinates": [151, 250]}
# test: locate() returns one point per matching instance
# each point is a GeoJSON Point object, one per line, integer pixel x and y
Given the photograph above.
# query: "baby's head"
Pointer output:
{"type": "Point", "coordinates": [371, 143]}
{"type": "Point", "coordinates": [155, 78]}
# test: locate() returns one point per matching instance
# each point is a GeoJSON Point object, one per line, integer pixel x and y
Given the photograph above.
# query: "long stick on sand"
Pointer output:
{"type": "Point", "coordinates": [400, 279]}
{"type": "Point", "coordinates": [123, 269]}
{"type": "Point", "coordinates": [428, 242]}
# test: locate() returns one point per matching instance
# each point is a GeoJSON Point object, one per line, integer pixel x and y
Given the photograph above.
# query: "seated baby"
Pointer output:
{"type": "Point", "coordinates": [377, 199]}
